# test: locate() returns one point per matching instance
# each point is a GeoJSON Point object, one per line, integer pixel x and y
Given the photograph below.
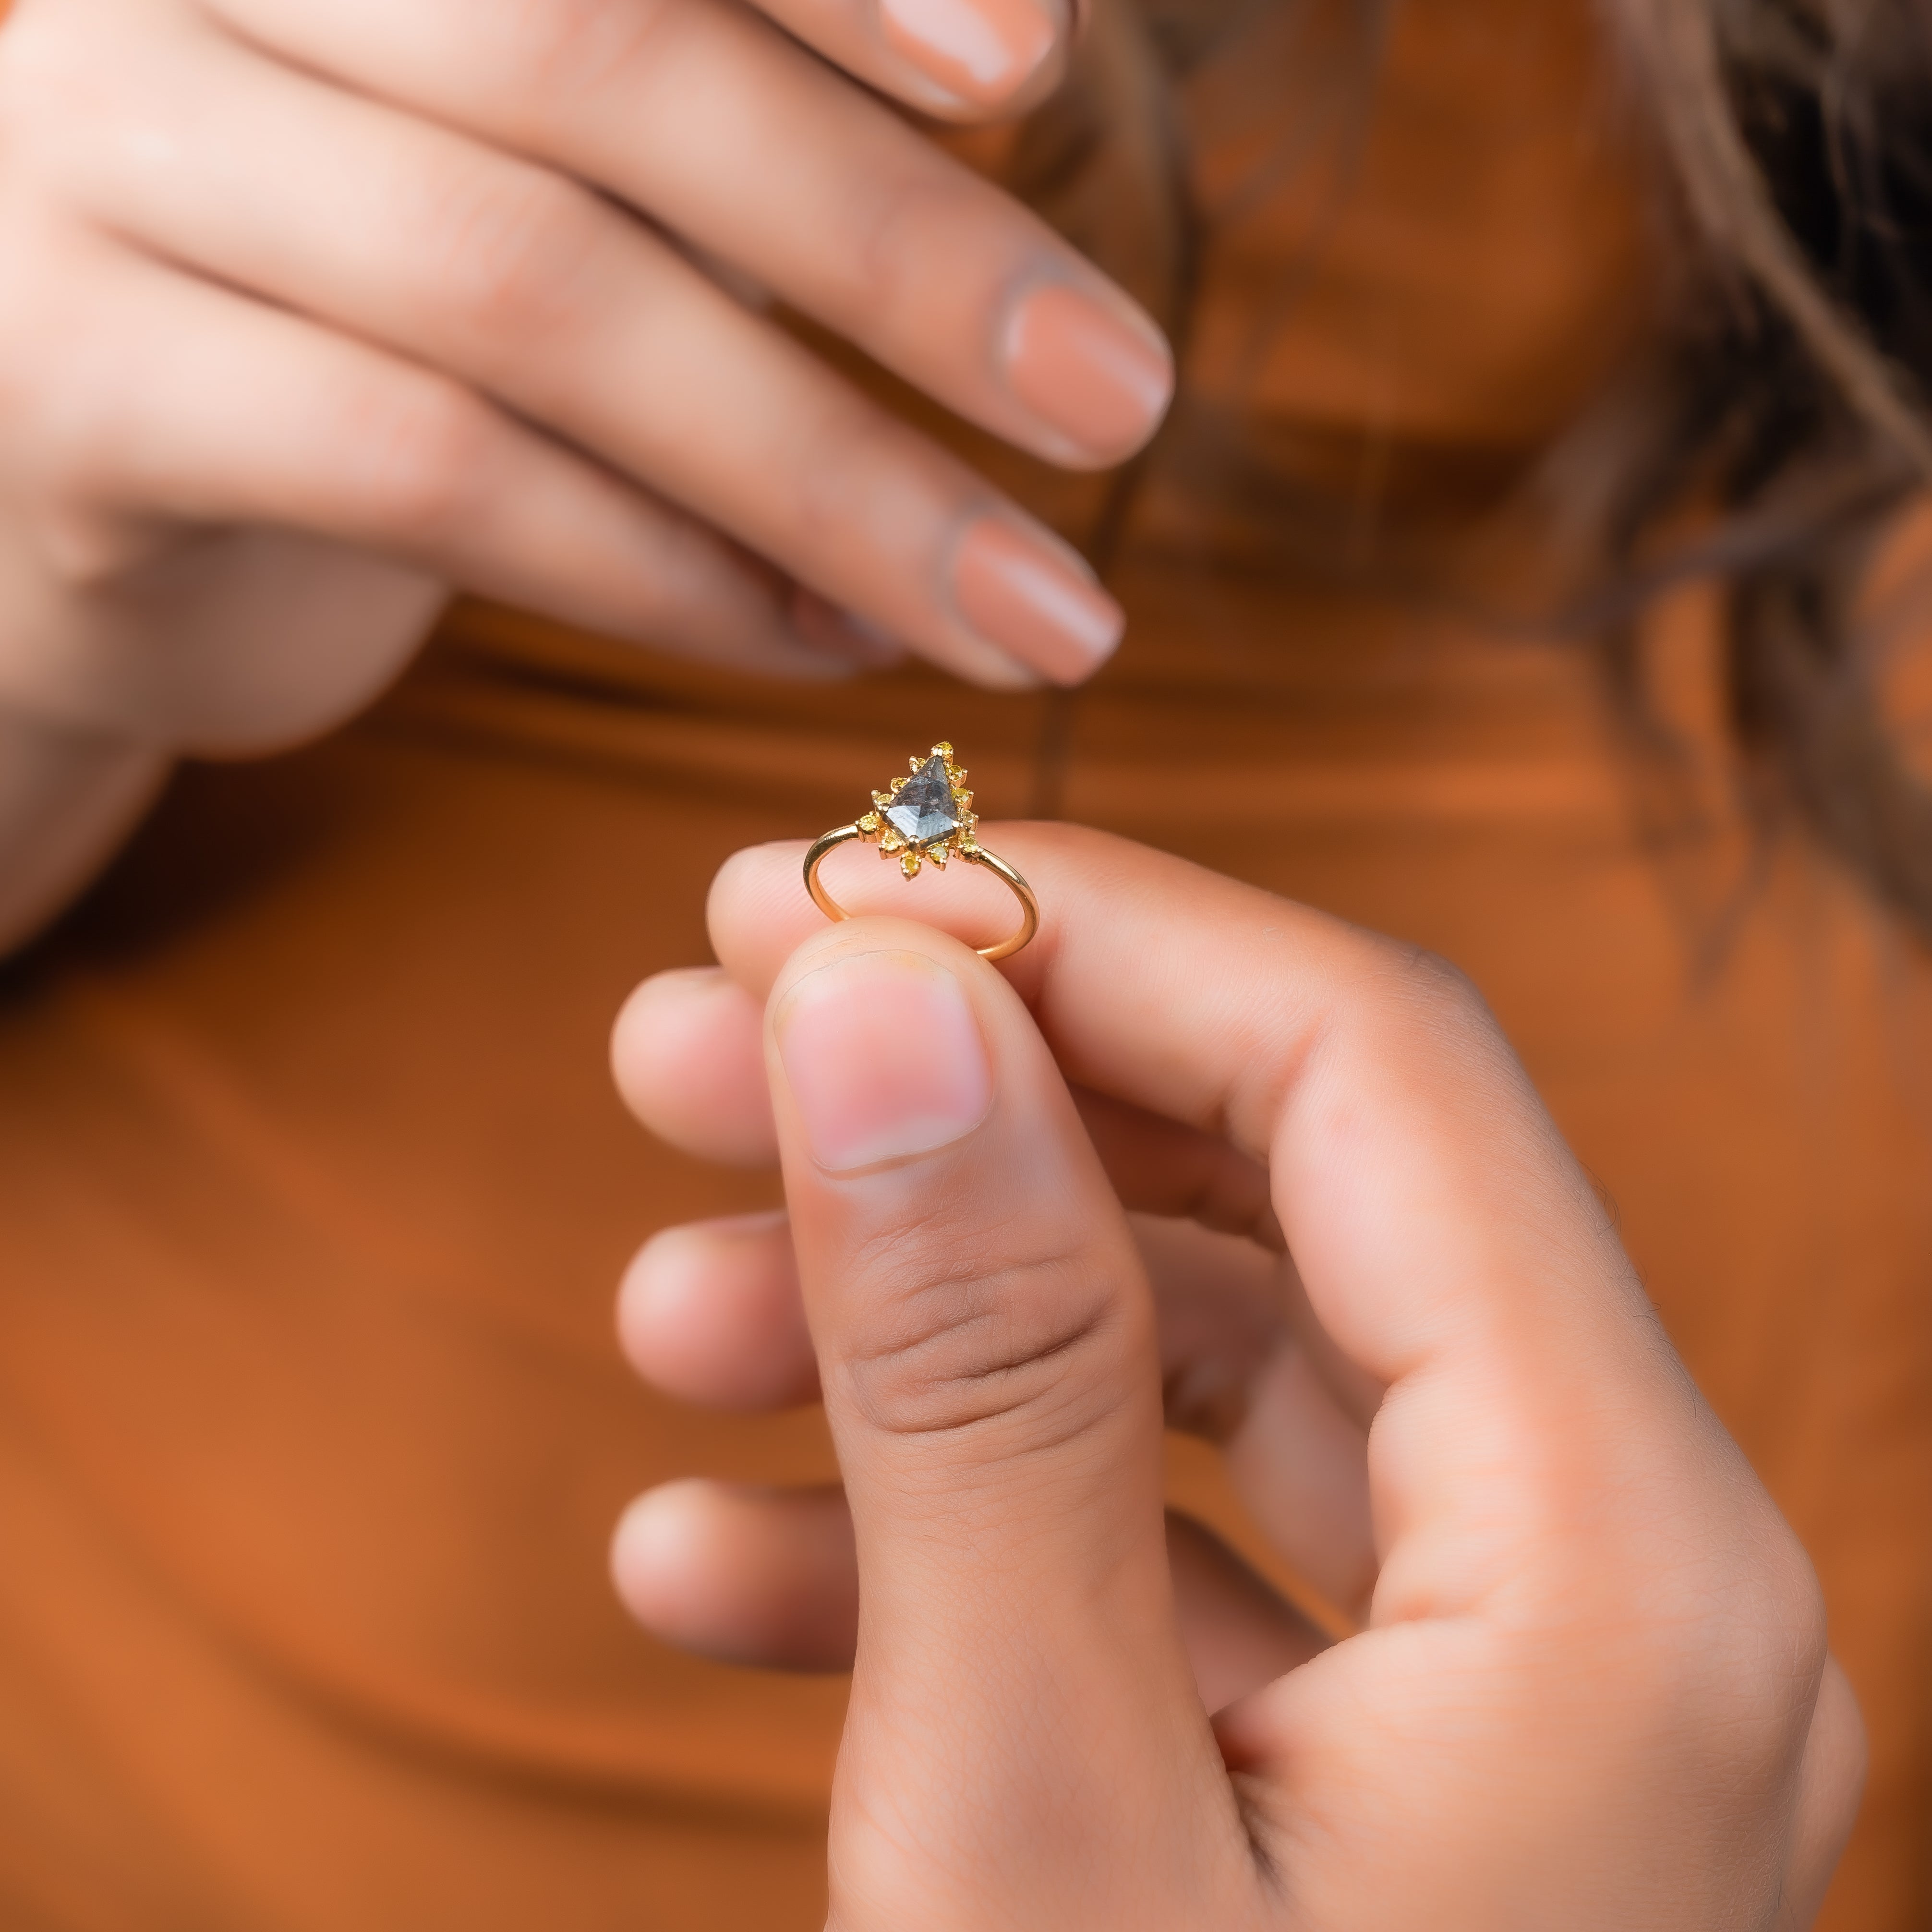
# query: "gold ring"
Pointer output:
{"type": "Point", "coordinates": [925, 817]}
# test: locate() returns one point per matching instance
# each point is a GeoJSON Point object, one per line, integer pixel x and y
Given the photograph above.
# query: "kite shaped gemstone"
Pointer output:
{"type": "Point", "coordinates": [923, 809]}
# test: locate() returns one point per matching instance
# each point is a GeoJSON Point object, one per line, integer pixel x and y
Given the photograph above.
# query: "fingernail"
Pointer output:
{"type": "Point", "coordinates": [884, 1058]}
{"type": "Point", "coordinates": [1024, 592]}
{"type": "Point", "coordinates": [980, 50]}
{"type": "Point", "coordinates": [1100, 377]}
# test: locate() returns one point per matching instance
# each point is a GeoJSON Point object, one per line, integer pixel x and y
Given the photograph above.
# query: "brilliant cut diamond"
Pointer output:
{"type": "Point", "coordinates": [924, 810]}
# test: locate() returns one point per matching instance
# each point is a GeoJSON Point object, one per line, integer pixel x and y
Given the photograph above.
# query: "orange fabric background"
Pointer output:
{"type": "Point", "coordinates": [314, 1194]}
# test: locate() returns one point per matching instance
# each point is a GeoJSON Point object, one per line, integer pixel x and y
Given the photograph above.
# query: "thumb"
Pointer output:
{"type": "Point", "coordinates": [1024, 1733]}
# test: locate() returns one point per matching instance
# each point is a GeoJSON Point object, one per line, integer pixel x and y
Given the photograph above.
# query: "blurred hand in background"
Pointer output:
{"type": "Point", "coordinates": [316, 309]}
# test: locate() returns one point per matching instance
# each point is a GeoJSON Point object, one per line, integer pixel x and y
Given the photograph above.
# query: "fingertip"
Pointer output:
{"type": "Point", "coordinates": [687, 1056]}
{"type": "Point", "coordinates": [758, 911]}
{"type": "Point", "coordinates": [710, 1313]}
{"type": "Point", "coordinates": [658, 1542]}
{"type": "Point", "coordinates": [746, 879]}
{"type": "Point", "coordinates": [745, 1576]}
{"type": "Point", "coordinates": [634, 1041]}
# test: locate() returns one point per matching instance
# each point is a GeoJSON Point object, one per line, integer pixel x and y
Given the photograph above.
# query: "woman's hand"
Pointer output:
{"type": "Point", "coordinates": [315, 308]}
{"type": "Point", "coordinates": [1591, 1688]}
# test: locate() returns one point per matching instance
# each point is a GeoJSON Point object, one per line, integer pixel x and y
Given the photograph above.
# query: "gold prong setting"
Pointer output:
{"type": "Point", "coordinates": [924, 817]}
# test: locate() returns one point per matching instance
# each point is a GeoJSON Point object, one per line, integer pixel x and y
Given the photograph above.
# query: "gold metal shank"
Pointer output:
{"type": "Point", "coordinates": [938, 796]}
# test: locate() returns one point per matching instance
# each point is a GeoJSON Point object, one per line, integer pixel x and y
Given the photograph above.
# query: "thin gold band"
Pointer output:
{"type": "Point", "coordinates": [976, 855]}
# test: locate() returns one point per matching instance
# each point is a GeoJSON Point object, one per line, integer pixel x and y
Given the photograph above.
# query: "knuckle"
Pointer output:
{"type": "Point", "coordinates": [86, 550]}
{"type": "Point", "coordinates": [1408, 998]}
{"type": "Point", "coordinates": [1436, 985]}
{"type": "Point", "coordinates": [1781, 1652]}
{"type": "Point", "coordinates": [511, 247]}
{"type": "Point", "coordinates": [857, 474]}
{"type": "Point", "coordinates": [555, 52]}
{"type": "Point", "coordinates": [1417, 1006]}
{"type": "Point", "coordinates": [425, 447]}
{"type": "Point", "coordinates": [885, 259]}
{"type": "Point", "coordinates": [978, 1340]}
{"type": "Point", "coordinates": [1734, 1638]}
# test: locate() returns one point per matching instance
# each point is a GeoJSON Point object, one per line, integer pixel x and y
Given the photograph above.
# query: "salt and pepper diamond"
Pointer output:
{"type": "Point", "coordinates": [923, 811]}
{"type": "Point", "coordinates": [928, 816]}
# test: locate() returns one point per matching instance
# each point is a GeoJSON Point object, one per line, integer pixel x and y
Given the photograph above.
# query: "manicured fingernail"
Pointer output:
{"type": "Point", "coordinates": [1023, 592]}
{"type": "Point", "coordinates": [978, 50]}
{"type": "Point", "coordinates": [1099, 376]}
{"type": "Point", "coordinates": [883, 1059]}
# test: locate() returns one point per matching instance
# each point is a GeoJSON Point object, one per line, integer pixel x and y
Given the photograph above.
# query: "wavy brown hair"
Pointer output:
{"type": "Point", "coordinates": [1782, 399]}
{"type": "Point", "coordinates": [1800, 137]}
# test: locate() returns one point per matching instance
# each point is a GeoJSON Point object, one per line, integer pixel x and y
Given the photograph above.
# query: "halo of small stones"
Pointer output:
{"type": "Point", "coordinates": [959, 843]}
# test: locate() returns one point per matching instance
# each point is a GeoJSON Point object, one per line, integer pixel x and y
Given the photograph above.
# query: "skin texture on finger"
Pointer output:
{"type": "Point", "coordinates": [546, 297]}
{"type": "Point", "coordinates": [701, 115]}
{"type": "Point", "coordinates": [991, 1370]}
